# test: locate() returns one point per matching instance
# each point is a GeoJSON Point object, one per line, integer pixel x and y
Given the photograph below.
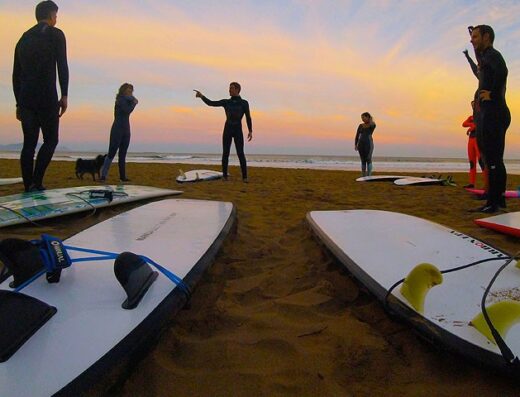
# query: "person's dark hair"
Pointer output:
{"type": "Point", "coordinates": [366, 114]}
{"type": "Point", "coordinates": [483, 29]}
{"type": "Point", "coordinates": [44, 9]}
{"type": "Point", "coordinates": [236, 85]}
{"type": "Point", "coordinates": [122, 89]}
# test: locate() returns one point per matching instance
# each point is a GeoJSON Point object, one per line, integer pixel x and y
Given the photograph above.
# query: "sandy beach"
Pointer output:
{"type": "Point", "coordinates": [276, 315]}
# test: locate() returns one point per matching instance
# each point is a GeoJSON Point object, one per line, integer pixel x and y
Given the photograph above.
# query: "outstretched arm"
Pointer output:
{"type": "Point", "coordinates": [472, 64]}
{"type": "Point", "coordinates": [207, 101]}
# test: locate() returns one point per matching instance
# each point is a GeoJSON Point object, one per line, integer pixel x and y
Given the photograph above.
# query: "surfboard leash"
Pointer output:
{"type": "Point", "coordinates": [506, 352]}
{"type": "Point", "coordinates": [106, 255]}
{"type": "Point", "coordinates": [21, 215]}
{"type": "Point", "coordinates": [53, 255]}
{"type": "Point", "coordinates": [453, 269]}
{"type": "Point", "coordinates": [97, 194]}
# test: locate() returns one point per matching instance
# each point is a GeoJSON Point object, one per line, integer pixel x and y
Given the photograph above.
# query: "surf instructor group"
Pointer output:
{"type": "Point", "coordinates": [41, 56]}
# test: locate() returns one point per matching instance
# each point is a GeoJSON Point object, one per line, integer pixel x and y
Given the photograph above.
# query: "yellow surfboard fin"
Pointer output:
{"type": "Point", "coordinates": [182, 174]}
{"type": "Point", "coordinates": [418, 282]}
{"type": "Point", "coordinates": [503, 316]}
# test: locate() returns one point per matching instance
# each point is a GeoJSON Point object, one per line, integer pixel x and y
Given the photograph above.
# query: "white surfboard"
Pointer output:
{"type": "Point", "coordinates": [20, 208]}
{"type": "Point", "coordinates": [10, 181]}
{"type": "Point", "coordinates": [91, 332]}
{"type": "Point", "coordinates": [380, 248]}
{"type": "Point", "coordinates": [505, 223]}
{"type": "Point", "coordinates": [380, 178]}
{"type": "Point", "coordinates": [198, 176]}
{"type": "Point", "coordinates": [413, 180]}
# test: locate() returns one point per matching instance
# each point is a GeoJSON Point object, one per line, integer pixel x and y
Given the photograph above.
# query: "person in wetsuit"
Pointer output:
{"type": "Point", "coordinates": [473, 152]}
{"type": "Point", "coordinates": [494, 117]}
{"type": "Point", "coordinates": [364, 143]}
{"type": "Point", "coordinates": [235, 108]}
{"type": "Point", "coordinates": [38, 54]}
{"type": "Point", "coordinates": [120, 131]}
{"type": "Point", "coordinates": [477, 130]}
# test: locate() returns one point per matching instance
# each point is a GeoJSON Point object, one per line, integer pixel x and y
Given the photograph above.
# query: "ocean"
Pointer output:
{"type": "Point", "coordinates": [321, 162]}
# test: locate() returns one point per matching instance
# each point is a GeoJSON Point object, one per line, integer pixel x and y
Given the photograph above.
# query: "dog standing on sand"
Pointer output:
{"type": "Point", "coordinates": [92, 167]}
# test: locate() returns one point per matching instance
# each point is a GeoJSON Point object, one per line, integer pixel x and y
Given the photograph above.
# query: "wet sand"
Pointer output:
{"type": "Point", "coordinates": [276, 315]}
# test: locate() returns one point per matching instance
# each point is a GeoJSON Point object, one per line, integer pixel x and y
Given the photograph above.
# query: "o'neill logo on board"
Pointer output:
{"type": "Point", "coordinates": [58, 251]}
{"type": "Point", "coordinates": [480, 244]}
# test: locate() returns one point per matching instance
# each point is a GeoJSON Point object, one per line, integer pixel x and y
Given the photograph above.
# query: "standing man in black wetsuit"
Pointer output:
{"type": "Point", "coordinates": [494, 115]}
{"type": "Point", "coordinates": [38, 53]}
{"type": "Point", "coordinates": [235, 108]}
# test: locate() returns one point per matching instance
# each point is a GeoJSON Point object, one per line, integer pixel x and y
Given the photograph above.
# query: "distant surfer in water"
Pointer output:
{"type": "Point", "coordinates": [120, 131]}
{"type": "Point", "coordinates": [364, 143]}
{"type": "Point", "coordinates": [494, 115]}
{"type": "Point", "coordinates": [235, 108]}
{"type": "Point", "coordinates": [473, 152]}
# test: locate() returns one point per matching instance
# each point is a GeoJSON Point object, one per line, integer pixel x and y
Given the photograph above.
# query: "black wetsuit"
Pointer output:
{"type": "Point", "coordinates": [494, 120]}
{"type": "Point", "coordinates": [365, 146]}
{"type": "Point", "coordinates": [476, 109]}
{"type": "Point", "coordinates": [38, 53]}
{"type": "Point", "coordinates": [235, 108]}
{"type": "Point", "coordinates": [119, 135]}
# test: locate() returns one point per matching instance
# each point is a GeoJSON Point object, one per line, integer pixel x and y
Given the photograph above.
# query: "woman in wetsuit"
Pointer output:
{"type": "Point", "coordinates": [120, 132]}
{"type": "Point", "coordinates": [364, 143]}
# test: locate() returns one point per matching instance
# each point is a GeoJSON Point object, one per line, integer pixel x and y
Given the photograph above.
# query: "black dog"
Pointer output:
{"type": "Point", "coordinates": [92, 167]}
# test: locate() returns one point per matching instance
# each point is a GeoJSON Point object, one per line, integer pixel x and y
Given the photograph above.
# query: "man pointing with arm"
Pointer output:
{"type": "Point", "coordinates": [235, 108]}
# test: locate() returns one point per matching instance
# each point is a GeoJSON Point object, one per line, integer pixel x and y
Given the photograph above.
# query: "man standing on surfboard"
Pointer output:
{"type": "Point", "coordinates": [39, 52]}
{"type": "Point", "coordinates": [494, 115]}
{"type": "Point", "coordinates": [235, 108]}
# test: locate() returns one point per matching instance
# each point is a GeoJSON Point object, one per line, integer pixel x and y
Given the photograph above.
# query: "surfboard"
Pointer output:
{"type": "Point", "coordinates": [34, 206]}
{"type": "Point", "coordinates": [505, 223]}
{"type": "Point", "coordinates": [380, 248]}
{"type": "Point", "coordinates": [418, 181]}
{"type": "Point", "coordinates": [507, 193]}
{"type": "Point", "coordinates": [198, 176]}
{"type": "Point", "coordinates": [91, 332]}
{"type": "Point", "coordinates": [10, 181]}
{"type": "Point", "coordinates": [380, 178]}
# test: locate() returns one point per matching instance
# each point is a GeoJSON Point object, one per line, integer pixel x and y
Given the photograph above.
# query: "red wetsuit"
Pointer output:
{"type": "Point", "coordinates": [473, 152]}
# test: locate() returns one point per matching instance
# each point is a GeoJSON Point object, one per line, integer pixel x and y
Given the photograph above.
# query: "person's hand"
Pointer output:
{"type": "Point", "coordinates": [63, 105]}
{"type": "Point", "coordinates": [465, 52]}
{"type": "Point", "coordinates": [484, 95]}
{"type": "Point", "coordinates": [135, 100]}
{"type": "Point", "coordinates": [18, 114]}
{"type": "Point", "coordinates": [198, 94]}
{"type": "Point", "coordinates": [250, 136]}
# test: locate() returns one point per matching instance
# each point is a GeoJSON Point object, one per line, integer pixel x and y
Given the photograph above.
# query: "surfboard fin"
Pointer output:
{"type": "Point", "coordinates": [418, 282]}
{"type": "Point", "coordinates": [135, 276]}
{"type": "Point", "coordinates": [182, 174]}
{"type": "Point", "coordinates": [503, 316]}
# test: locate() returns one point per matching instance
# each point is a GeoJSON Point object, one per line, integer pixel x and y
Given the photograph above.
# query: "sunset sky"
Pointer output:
{"type": "Point", "coordinates": [307, 68]}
